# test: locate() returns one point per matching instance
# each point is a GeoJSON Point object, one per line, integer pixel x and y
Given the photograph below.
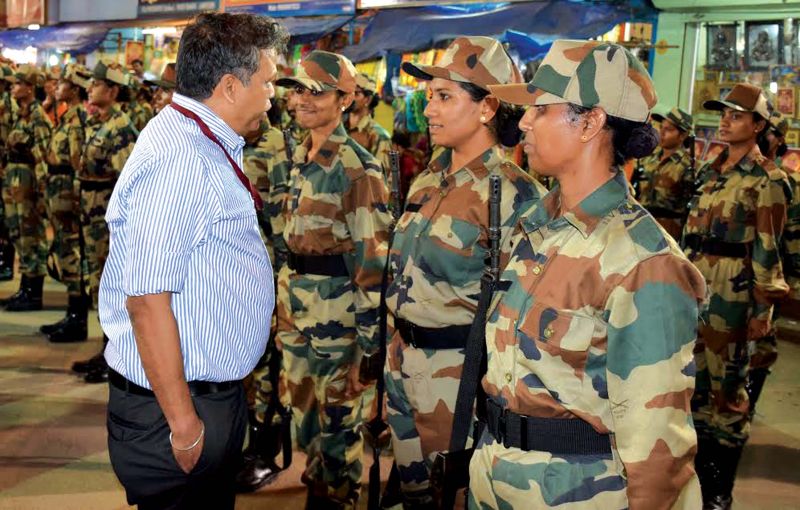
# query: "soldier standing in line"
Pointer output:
{"type": "Point", "coordinates": [441, 242]}
{"type": "Point", "coordinates": [667, 184]}
{"type": "Point", "coordinates": [63, 159]}
{"type": "Point", "coordinates": [591, 333]}
{"type": "Point", "coordinates": [732, 235]}
{"type": "Point", "coordinates": [8, 108]}
{"type": "Point", "coordinates": [361, 126]}
{"type": "Point", "coordinates": [110, 136]}
{"type": "Point", "coordinates": [23, 187]}
{"type": "Point", "coordinates": [138, 108]}
{"type": "Point", "coordinates": [337, 223]}
{"type": "Point", "coordinates": [165, 87]}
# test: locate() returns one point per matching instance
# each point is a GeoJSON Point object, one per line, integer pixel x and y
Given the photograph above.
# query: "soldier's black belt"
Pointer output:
{"type": "Point", "coordinates": [325, 265]}
{"type": "Point", "coordinates": [558, 436]}
{"type": "Point", "coordinates": [21, 158]}
{"type": "Point", "coordinates": [87, 185]}
{"type": "Point", "coordinates": [60, 170]}
{"type": "Point", "coordinates": [451, 337]}
{"type": "Point", "coordinates": [716, 247]}
{"type": "Point", "coordinates": [196, 388]}
{"type": "Point", "coordinates": [663, 212]}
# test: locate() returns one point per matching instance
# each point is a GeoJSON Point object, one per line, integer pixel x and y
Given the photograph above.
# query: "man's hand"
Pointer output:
{"type": "Point", "coordinates": [187, 460]}
{"type": "Point", "coordinates": [758, 328]}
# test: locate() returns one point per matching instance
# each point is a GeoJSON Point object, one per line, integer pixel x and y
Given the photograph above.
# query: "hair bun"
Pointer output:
{"type": "Point", "coordinates": [642, 141]}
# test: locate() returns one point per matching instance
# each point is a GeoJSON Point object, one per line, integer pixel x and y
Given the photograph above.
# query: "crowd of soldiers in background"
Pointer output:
{"type": "Point", "coordinates": [65, 137]}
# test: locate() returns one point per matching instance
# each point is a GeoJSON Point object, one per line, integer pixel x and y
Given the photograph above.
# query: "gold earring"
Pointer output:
{"type": "Point", "coordinates": [343, 108]}
{"type": "Point", "coordinates": [583, 138]}
{"type": "Point", "coordinates": [483, 119]}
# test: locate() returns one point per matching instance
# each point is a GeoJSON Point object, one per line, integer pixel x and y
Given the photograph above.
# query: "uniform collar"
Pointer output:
{"type": "Point", "coordinates": [477, 169]}
{"type": "Point", "coordinates": [363, 124]}
{"type": "Point", "coordinates": [586, 215]}
{"type": "Point", "coordinates": [229, 138]}
{"type": "Point", "coordinates": [328, 153]}
{"type": "Point", "coordinates": [748, 162]}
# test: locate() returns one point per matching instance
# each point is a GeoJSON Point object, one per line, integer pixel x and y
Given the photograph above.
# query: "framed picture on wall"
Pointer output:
{"type": "Point", "coordinates": [786, 101]}
{"type": "Point", "coordinates": [763, 44]}
{"type": "Point", "coordinates": [791, 160]}
{"type": "Point", "coordinates": [721, 47]}
{"type": "Point", "coordinates": [793, 138]}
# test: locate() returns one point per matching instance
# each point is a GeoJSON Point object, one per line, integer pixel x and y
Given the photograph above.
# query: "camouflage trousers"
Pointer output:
{"type": "Point", "coordinates": [63, 205]}
{"type": "Point", "coordinates": [24, 217]}
{"type": "Point", "coordinates": [421, 391]}
{"type": "Point", "coordinates": [316, 329]}
{"type": "Point", "coordinates": [95, 234]}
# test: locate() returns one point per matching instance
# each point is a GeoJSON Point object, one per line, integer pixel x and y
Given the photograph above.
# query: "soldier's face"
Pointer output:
{"type": "Point", "coordinates": [100, 94]}
{"type": "Point", "coordinates": [738, 127]}
{"type": "Point", "coordinates": [671, 136]}
{"type": "Point", "coordinates": [453, 116]}
{"type": "Point", "coordinates": [319, 110]}
{"type": "Point", "coordinates": [360, 101]}
{"type": "Point", "coordinates": [551, 138]}
{"type": "Point", "coordinates": [50, 87]}
{"type": "Point", "coordinates": [162, 99]}
{"type": "Point", "coordinates": [253, 100]}
{"type": "Point", "coordinates": [21, 91]}
{"type": "Point", "coordinates": [63, 91]}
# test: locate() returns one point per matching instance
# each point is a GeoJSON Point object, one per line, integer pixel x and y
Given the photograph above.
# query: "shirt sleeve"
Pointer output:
{"type": "Point", "coordinates": [770, 285]}
{"type": "Point", "coordinates": [652, 326]}
{"type": "Point", "coordinates": [169, 213]}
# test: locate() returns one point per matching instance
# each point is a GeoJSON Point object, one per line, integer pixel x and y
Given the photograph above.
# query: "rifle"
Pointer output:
{"type": "Point", "coordinates": [371, 368]}
{"type": "Point", "coordinates": [450, 471]}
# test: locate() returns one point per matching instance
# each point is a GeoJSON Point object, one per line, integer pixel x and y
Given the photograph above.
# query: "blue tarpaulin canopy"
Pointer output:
{"type": "Point", "coordinates": [77, 38]}
{"type": "Point", "coordinates": [531, 25]}
{"type": "Point", "coordinates": [309, 29]}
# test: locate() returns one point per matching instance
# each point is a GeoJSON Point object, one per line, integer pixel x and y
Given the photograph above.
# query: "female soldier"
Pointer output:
{"type": "Point", "coordinates": [336, 231]}
{"type": "Point", "coordinates": [439, 248]}
{"type": "Point", "coordinates": [732, 235]}
{"type": "Point", "coordinates": [590, 344]}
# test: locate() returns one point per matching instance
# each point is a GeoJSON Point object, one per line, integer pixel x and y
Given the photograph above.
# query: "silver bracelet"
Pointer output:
{"type": "Point", "coordinates": [196, 442]}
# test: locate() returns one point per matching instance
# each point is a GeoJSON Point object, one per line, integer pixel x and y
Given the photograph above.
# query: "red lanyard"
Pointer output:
{"type": "Point", "coordinates": [236, 168]}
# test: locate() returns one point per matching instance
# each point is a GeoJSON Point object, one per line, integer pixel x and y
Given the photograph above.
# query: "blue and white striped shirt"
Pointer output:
{"type": "Point", "coordinates": [181, 222]}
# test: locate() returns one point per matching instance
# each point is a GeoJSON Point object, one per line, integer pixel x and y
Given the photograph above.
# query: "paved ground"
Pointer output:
{"type": "Point", "coordinates": [53, 451]}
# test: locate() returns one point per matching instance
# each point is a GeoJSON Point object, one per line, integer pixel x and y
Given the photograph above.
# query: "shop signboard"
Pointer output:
{"type": "Point", "coordinates": [21, 13]}
{"type": "Point", "coordinates": [280, 8]}
{"type": "Point", "coordinates": [175, 8]}
{"type": "Point", "coordinates": [92, 10]}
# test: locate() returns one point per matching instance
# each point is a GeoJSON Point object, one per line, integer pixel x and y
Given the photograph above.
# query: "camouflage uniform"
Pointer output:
{"type": "Point", "coordinates": [592, 327]}
{"type": "Point", "coordinates": [24, 179]}
{"type": "Point", "coordinates": [436, 262]}
{"type": "Point", "coordinates": [368, 133]}
{"type": "Point", "coordinates": [140, 113]}
{"type": "Point", "coordinates": [337, 204]}
{"type": "Point", "coordinates": [8, 108]}
{"type": "Point", "coordinates": [667, 184]}
{"type": "Point", "coordinates": [109, 142]}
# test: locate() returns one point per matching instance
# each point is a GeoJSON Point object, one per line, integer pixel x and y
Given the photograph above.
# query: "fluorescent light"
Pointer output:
{"type": "Point", "coordinates": [773, 87]}
{"type": "Point", "coordinates": [53, 60]}
{"type": "Point", "coordinates": [34, 26]}
{"type": "Point", "coordinates": [159, 31]}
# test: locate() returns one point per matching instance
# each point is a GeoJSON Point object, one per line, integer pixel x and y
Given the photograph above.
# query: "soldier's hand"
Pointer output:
{"type": "Point", "coordinates": [758, 328]}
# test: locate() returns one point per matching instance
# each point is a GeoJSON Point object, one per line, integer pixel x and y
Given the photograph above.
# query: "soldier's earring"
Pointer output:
{"type": "Point", "coordinates": [483, 119]}
{"type": "Point", "coordinates": [343, 108]}
{"type": "Point", "coordinates": [583, 138]}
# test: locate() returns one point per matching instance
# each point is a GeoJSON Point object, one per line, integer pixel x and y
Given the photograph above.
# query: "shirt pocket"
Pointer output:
{"type": "Point", "coordinates": [558, 333]}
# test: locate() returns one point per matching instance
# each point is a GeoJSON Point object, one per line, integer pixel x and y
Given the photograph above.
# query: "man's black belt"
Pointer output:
{"type": "Point", "coordinates": [716, 247]}
{"type": "Point", "coordinates": [60, 170]}
{"type": "Point", "coordinates": [663, 212]}
{"type": "Point", "coordinates": [196, 388]}
{"type": "Point", "coordinates": [558, 436]}
{"type": "Point", "coordinates": [450, 337]}
{"type": "Point", "coordinates": [325, 265]}
{"type": "Point", "coordinates": [21, 159]}
{"type": "Point", "coordinates": [87, 185]}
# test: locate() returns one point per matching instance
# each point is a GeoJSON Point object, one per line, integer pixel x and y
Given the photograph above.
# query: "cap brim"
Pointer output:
{"type": "Point", "coordinates": [164, 84]}
{"type": "Point", "coordinates": [428, 73]}
{"type": "Point", "coordinates": [657, 117]}
{"type": "Point", "coordinates": [304, 82]}
{"type": "Point", "coordinates": [524, 94]}
{"type": "Point", "coordinates": [717, 105]}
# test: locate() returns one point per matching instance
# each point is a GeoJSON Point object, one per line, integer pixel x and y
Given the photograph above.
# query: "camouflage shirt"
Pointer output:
{"type": "Point", "coordinates": [746, 204]}
{"type": "Point", "coordinates": [8, 109]}
{"type": "Point", "coordinates": [140, 113]}
{"type": "Point", "coordinates": [791, 239]}
{"type": "Point", "coordinates": [667, 184]}
{"type": "Point", "coordinates": [337, 204]}
{"type": "Point", "coordinates": [266, 166]}
{"type": "Point", "coordinates": [595, 319]}
{"type": "Point", "coordinates": [441, 241]}
{"type": "Point", "coordinates": [370, 135]}
{"type": "Point", "coordinates": [108, 144]}
{"type": "Point", "coordinates": [30, 136]}
{"type": "Point", "coordinates": [68, 138]}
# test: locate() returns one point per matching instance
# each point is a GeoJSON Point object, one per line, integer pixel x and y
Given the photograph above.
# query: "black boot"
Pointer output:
{"type": "Point", "coordinates": [259, 467]}
{"type": "Point", "coordinates": [98, 374]}
{"type": "Point", "coordinates": [755, 383]}
{"type": "Point", "coordinates": [6, 261]}
{"type": "Point", "coordinates": [97, 361]}
{"type": "Point", "coordinates": [73, 328]}
{"type": "Point", "coordinates": [716, 466]}
{"type": "Point", "coordinates": [23, 282]}
{"type": "Point", "coordinates": [31, 297]}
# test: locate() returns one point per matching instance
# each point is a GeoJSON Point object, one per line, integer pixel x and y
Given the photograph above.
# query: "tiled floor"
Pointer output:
{"type": "Point", "coordinates": [53, 442]}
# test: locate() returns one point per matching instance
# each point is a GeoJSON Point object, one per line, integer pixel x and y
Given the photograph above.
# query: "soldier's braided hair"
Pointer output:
{"type": "Point", "coordinates": [630, 139]}
{"type": "Point", "coordinates": [505, 124]}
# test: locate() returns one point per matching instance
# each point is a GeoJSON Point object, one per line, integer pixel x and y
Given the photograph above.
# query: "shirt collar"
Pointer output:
{"type": "Point", "coordinates": [746, 164]}
{"type": "Point", "coordinates": [586, 215]}
{"type": "Point", "coordinates": [477, 169]}
{"type": "Point", "coordinates": [328, 153]}
{"type": "Point", "coordinates": [229, 138]}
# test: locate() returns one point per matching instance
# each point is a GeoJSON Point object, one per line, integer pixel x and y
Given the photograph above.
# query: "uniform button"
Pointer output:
{"type": "Point", "coordinates": [449, 235]}
{"type": "Point", "coordinates": [509, 377]}
{"type": "Point", "coordinates": [548, 332]}
{"type": "Point", "coordinates": [537, 270]}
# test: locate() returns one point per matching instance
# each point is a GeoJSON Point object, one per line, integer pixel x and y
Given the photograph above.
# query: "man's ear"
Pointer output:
{"type": "Point", "coordinates": [228, 87]}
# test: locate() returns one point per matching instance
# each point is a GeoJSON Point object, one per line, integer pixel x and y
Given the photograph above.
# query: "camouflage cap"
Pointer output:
{"type": "Point", "coordinates": [6, 72]}
{"type": "Point", "coordinates": [112, 72]}
{"type": "Point", "coordinates": [779, 123]}
{"type": "Point", "coordinates": [680, 118]}
{"type": "Point", "coordinates": [167, 80]}
{"type": "Point", "coordinates": [479, 60]}
{"type": "Point", "coordinates": [78, 75]}
{"type": "Point", "coordinates": [743, 97]}
{"type": "Point", "coordinates": [589, 74]}
{"type": "Point", "coordinates": [365, 82]}
{"type": "Point", "coordinates": [27, 73]}
{"type": "Point", "coordinates": [322, 71]}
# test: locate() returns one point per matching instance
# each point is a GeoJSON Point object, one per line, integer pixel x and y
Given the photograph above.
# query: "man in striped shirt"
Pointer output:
{"type": "Point", "coordinates": [187, 290]}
